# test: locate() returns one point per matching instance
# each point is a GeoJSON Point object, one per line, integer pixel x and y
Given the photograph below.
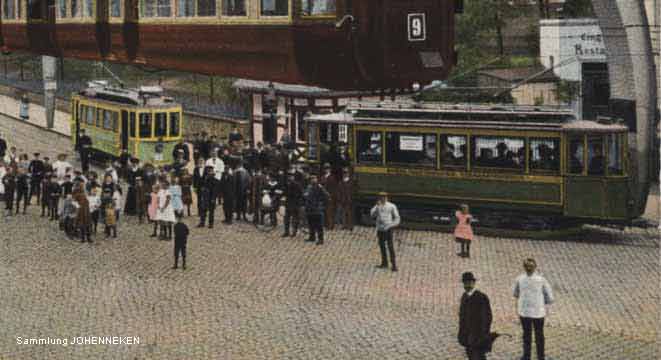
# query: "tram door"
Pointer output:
{"type": "Point", "coordinates": [125, 130]}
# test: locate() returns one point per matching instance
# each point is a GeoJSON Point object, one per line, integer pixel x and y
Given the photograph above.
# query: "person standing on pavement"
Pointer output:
{"type": "Point", "coordinates": [387, 218]}
{"type": "Point", "coordinates": [180, 239]}
{"type": "Point", "coordinates": [345, 189]}
{"type": "Point", "coordinates": [474, 320]}
{"type": "Point", "coordinates": [22, 190]}
{"type": "Point", "coordinates": [241, 189]}
{"type": "Point", "coordinates": [294, 199]}
{"type": "Point", "coordinates": [533, 292]}
{"type": "Point", "coordinates": [36, 169]}
{"type": "Point", "coordinates": [463, 232]}
{"type": "Point", "coordinates": [9, 182]}
{"type": "Point", "coordinates": [316, 199]}
{"type": "Point", "coordinates": [3, 147]}
{"type": "Point", "coordinates": [229, 196]}
{"type": "Point", "coordinates": [329, 182]}
{"type": "Point", "coordinates": [206, 197]}
{"type": "Point", "coordinates": [24, 111]}
{"type": "Point", "coordinates": [84, 148]}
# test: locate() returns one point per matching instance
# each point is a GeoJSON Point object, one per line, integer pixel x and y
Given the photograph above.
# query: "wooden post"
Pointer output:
{"type": "Point", "coordinates": [20, 66]}
{"type": "Point", "coordinates": [211, 95]}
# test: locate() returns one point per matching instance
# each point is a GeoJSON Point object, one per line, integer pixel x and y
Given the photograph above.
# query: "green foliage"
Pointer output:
{"type": "Point", "coordinates": [567, 91]}
{"type": "Point", "coordinates": [478, 27]}
{"type": "Point", "coordinates": [577, 9]}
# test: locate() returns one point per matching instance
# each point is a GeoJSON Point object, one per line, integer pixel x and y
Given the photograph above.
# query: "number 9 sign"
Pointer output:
{"type": "Point", "coordinates": [417, 28]}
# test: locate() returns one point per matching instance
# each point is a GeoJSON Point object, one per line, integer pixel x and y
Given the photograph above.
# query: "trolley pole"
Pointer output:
{"type": "Point", "coordinates": [49, 69]}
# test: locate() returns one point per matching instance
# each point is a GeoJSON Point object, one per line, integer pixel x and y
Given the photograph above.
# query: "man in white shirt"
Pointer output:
{"type": "Point", "coordinates": [217, 164]}
{"type": "Point", "coordinates": [60, 167]}
{"type": "Point", "coordinates": [533, 293]}
{"type": "Point", "coordinates": [387, 218]}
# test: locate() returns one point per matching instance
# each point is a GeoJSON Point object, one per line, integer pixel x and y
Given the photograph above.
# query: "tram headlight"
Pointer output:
{"type": "Point", "coordinates": [415, 86]}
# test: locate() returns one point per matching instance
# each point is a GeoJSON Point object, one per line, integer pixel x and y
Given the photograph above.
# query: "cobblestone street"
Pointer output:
{"type": "Point", "coordinates": [254, 295]}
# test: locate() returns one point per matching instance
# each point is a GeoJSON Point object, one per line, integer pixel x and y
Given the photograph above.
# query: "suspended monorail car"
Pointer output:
{"type": "Point", "coordinates": [339, 44]}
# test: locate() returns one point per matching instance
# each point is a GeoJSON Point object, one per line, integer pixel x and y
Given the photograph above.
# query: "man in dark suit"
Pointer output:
{"type": "Point", "coordinates": [84, 147]}
{"type": "Point", "coordinates": [206, 197]}
{"type": "Point", "coordinates": [474, 320]}
{"type": "Point", "coordinates": [228, 191]}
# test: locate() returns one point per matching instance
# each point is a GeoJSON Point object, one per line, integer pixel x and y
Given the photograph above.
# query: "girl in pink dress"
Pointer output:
{"type": "Point", "coordinates": [153, 205]}
{"type": "Point", "coordinates": [463, 232]}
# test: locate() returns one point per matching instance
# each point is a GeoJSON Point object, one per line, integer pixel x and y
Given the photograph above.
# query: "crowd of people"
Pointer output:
{"type": "Point", "coordinates": [245, 181]}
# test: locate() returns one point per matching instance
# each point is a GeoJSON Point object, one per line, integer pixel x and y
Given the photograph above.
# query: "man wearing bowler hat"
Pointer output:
{"type": "Point", "coordinates": [474, 320]}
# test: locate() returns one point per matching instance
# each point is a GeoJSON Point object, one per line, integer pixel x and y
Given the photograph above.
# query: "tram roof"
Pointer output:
{"type": "Point", "coordinates": [465, 116]}
{"type": "Point", "coordinates": [146, 98]}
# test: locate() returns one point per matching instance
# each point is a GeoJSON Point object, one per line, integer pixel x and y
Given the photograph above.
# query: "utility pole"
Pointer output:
{"type": "Point", "coordinates": [49, 69]}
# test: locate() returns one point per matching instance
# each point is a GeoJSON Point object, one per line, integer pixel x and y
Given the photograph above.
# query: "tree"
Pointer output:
{"type": "Point", "coordinates": [577, 9]}
{"type": "Point", "coordinates": [481, 23]}
{"type": "Point", "coordinates": [543, 8]}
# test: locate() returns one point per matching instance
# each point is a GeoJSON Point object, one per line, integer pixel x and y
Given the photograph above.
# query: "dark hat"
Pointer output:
{"type": "Point", "coordinates": [36, 154]}
{"type": "Point", "coordinates": [135, 160]}
{"type": "Point", "coordinates": [467, 276]}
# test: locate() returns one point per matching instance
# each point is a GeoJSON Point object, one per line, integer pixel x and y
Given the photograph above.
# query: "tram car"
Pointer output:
{"type": "Point", "coordinates": [142, 121]}
{"type": "Point", "coordinates": [525, 168]}
{"type": "Point", "coordinates": [339, 44]}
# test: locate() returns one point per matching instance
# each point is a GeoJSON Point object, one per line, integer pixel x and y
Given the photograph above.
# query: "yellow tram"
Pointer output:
{"type": "Point", "coordinates": [141, 121]}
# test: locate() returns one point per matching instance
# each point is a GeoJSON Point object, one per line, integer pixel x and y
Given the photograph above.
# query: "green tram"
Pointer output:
{"type": "Point", "coordinates": [142, 121]}
{"type": "Point", "coordinates": [524, 168]}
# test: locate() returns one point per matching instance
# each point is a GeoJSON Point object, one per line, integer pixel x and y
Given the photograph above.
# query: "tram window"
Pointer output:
{"type": "Point", "coordinates": [545, 154]}
{"type": "Point", "coordinates": [63, 8]}
{"type": "Point", "coordinates": [34, 9]}
{"type": "Point", "coordinates": [161, 125]}
{"type": "Point", "coordinates": [499, 152]}
{"type": "Point", "coordinates": [174, 124]}
{"type": "Point", "coordinates": [312, 142]}
{"type": "Point", "coordinates": [206, 7]}
{"type": "Point", "coordinates": [453, 151]}
{"type": "Point", "coordinates": [411, 148]}
{"type": "Point", "coordinates": [107, 119]}
{"type": "Point", "coordinates": [234, 8]}
{"type": "Point", "coordinates": [596, 161]}
{"type": "Point", "coordinates": [145, 125]}
{"type": "Point", "coordinates": [186, 8]}
{"type": "Point", "coordinates": [275, 7]}
{"type": "Point", "coordinates": [90, 115]}
{"type": "Point", "coordinates": [115, 8]}
{"type": "Point", "coordinates": [318, 7]}
{"type": "Point", "coordinates": [576, 152]}
{"type": "Point", "coordinates": [369, 147]}
{"type": "Point", "coordinates": [89, 8]}
{"type": "Point", "coordinates": [615, 154]}
{"type": "Point", "coordinates": [8, 9]}
{"type": "Point", "coordinates": [132, 125]}
{"type": "Point", "coordinates": [74, 8]}
{"type": "Point", "coordinates": [156, 8]}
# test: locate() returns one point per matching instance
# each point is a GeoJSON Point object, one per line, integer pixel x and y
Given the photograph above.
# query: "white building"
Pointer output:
{"type": "Point", "coordinates": [576, 51]}
{"type": "Point", "coordinates": [568, 43]}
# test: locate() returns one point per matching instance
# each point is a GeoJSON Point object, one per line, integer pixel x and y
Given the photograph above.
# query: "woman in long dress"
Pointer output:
{"type": "Point", "coordinates": [153, 206]}
{"type": "Point", "coordinates": [186, 192]}
{"type": "Point", "coordinates": [177, 202]}
{"type": "Point", "coordinates": [165, 211]}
